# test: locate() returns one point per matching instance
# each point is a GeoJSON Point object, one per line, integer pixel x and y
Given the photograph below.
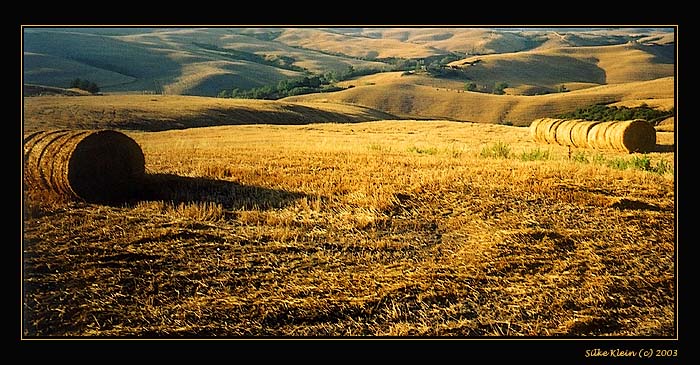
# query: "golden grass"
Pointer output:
{"type": "Point", "coordinates": [394, 228]}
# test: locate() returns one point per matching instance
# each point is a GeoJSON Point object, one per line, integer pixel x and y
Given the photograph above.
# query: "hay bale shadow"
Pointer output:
{"type": "Point", "coordinates": [231, 195]}
{"type": "Point", "coordinates": [664, 148]}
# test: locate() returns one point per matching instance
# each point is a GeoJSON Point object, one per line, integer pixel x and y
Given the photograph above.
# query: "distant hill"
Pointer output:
{"type": "Point", "coordinates": [407, 99]}
{"type": "Point", "coordinates": [202, 61]}
{"type": "Point", "coordinates": [165, 60]}
{"type": "Point", "coordinates": [552, 67]}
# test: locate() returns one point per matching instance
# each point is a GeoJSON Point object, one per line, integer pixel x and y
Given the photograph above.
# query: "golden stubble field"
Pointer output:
{"type": "Point", "coordinates": [389, 228]}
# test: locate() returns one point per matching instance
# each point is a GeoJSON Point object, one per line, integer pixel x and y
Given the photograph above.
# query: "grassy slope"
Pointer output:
{"type": "Point", "coordinates": [356, 46]}
{"type": "Point", "coordinates": [392, 228]}
{"type": "Point", "coordinates": [465, 40]}
{"type": "Point", "coordinates": [400, 96]}
{"type": "Point", "coordinates": [554, 66]}
{"type": "Point", "coordinates": [58, 71]}
{"type": "Point", "coordinates": [150, 112]}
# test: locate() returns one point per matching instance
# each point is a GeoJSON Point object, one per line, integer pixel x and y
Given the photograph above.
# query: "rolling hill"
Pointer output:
{"type": "Point", "coordinates": [553, 66]}
{"type": "Point", "coordinates": [189, 61]}
{"type": "Point", "coordinates": [410, 100]}
{"type": "Point", "coordinates": [633, 72]}
{"type": "Point", "coordinates": [616, 65]}
{"type": "Point", "coordinates": [203, 61]}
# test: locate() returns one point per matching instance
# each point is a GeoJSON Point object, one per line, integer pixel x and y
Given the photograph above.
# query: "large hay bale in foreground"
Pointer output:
{"type": "Point", "coordinates": [96, 166]}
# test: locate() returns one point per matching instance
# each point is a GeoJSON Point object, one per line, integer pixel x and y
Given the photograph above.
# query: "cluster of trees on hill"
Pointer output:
{"type": "Point", "coordinates": [435, 66]}
{"type": "Point", "coordinates": [284, 88]}
{"type": "Point", "coordinates": [299, 85]}
{"type": "Point", "coordinates": [84, 85]}
{"type": "Point", "coordinates": [603, 112]}
{"type": "Point", "coordinates": [498, 88]}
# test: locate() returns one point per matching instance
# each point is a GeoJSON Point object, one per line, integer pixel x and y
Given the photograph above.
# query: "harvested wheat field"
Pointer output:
{"type": "Point", "coordinates": [386, 228]}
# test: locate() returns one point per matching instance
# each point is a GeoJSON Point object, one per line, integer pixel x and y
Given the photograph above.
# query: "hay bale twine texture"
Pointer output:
{"type": "Point", "coordinates": [540, 128]}
{"type": "Point", "coordinates": [534, 129]}
{"type": "Point", "coordinates": [91, 165]}
{"type": "Point", "coordinates": [598, 135]}
{"type": "Point", "coordinates": [626, 136]}
{"type": "Point", "coordinates": [550, 134]}
{"type": "Point", "coordinates": [564, 131]}
{"type": "Point", "coordinates": [579, 133]}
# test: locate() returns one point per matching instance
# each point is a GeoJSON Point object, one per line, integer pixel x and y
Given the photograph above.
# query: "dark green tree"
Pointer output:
{"type": "Point", "coordinates": [499, 88]}
{"type": "Point", "coordinates": [86, 85]}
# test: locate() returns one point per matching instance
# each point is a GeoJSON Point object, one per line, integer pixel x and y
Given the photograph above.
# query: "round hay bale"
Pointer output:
{"type": "Point", "coordinates": [597, 136]}
{"type": "Point", "coordinates": [534, 129]}
{"type": "Point", "coordinates": [632, 136]}
{"type": "Point", "coordinates": [579, 133]}
{"type": "Point", "coordinates": [95, 166]}
{"type": "Point", "coordinates": [564, 130]}
{"type": "Point", "coordinates": [542, 128]}
{"type": "Point", "coordinates": [550, 135]}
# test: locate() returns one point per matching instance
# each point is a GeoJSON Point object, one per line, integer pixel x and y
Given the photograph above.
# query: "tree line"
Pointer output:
{"type": "Point", "coordinates": [603, 112]}
{"type": "Point", "coordinates": [86, 85]}
{"type": "Point", "coordinates": [298, 85]}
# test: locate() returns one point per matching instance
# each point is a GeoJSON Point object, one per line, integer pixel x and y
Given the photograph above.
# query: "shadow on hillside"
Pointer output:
{"type": "Point", "coordinates": [287, 114]}
{"type": "Point", "coordinates": [231, 195]}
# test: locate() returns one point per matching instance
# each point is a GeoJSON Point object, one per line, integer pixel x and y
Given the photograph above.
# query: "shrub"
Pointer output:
{"type": "Point", "coordinates": [535, 155]}
{"type": "Point", "coordinates": [580, 156]}
{"type": "Point", "coordinates": [425, 151]}
{"type": "Point", "coordinates": [497, 150]}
